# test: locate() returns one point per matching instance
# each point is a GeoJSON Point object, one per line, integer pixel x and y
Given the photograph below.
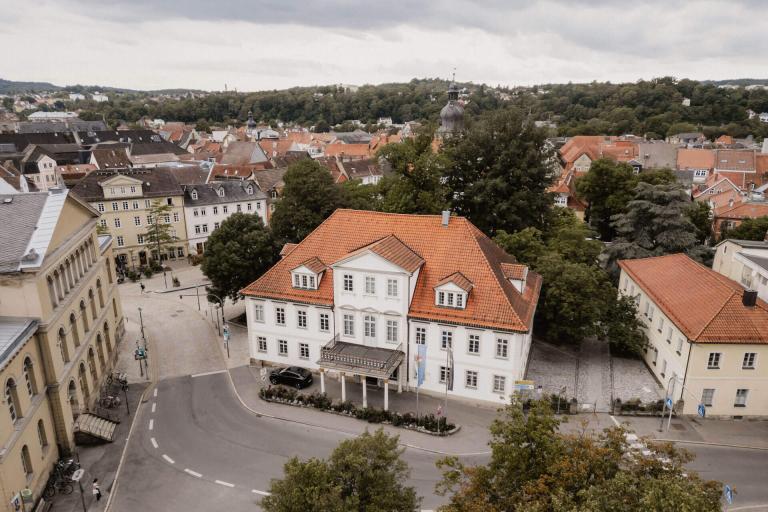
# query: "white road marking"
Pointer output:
{"type": "Point", "coordinates": [225, 484]}
{"type": "Point", "coordinates": [615, 421]}
{"type": "Point", "coordinates": [208, 373]}
{"type": "Point", "coordinates": [170, 460]}
{"type": "Point", "coordinates": [260, 492]}
{"type": "Point", "coordinates": [151, 424]}
{"type": "Point", "coordinates": [155, 393]}
{"type": "Point", "coordinates": [193, 473]}
{"type": "Point", "coordinates": [749, 507]}
{"type": "Point", "coordinates": [154, 442]}
{"type": "Point", "coordinates": [154, 405]}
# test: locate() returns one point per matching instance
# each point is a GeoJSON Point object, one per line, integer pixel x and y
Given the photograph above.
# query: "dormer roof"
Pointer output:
{"type": "Point", "coordinates": [393, 250]}
{"type": "Point", "coordinates": [514, 271]}
{"type": "Point", "coordinates": [314, 264]}
{"type": "Point", "coordinates": [458, 279]}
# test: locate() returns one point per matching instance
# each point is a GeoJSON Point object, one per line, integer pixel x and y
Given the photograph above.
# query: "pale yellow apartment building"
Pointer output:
{"type": "Point", "coordinates": [60, 324]}
{"type": "Point", "coordinates": [708, 335]}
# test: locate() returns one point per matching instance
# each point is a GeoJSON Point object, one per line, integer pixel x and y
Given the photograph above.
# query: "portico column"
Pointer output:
{"type": "Point", "coordinates": [365, 393]}
{"type": "Point", "coordinates": [322, 380]}
{"type": "Point", "coordinates": [386, 394]}
{"type": "Point", "coordinates": [343, 389]}
{"type": "Point", "coordinates": [400, 379]}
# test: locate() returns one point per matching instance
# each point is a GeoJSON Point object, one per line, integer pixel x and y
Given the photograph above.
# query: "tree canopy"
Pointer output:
{"type": "Point", "coordinates": [535, 467]}
{"type": "Point", "coordinates": [362, 474]}
{"type": "Point", "coordinates": [607, 187]}
{"type": "Point", "coordinates": [237, 253]}
{"type": "Point", "coordinates": [749, 229]}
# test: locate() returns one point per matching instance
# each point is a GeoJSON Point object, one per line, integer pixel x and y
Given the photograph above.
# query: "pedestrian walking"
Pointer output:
{"type": "Point", "coordinates": [142, 287]}
{"type": "Point", "coordinates": [96, 489]}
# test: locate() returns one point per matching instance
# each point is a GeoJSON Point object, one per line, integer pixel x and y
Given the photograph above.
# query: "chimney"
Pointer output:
{"type": "Point", "coordinates": [749, 298]}
{"type": "Point", "coordinates": [446, 217]}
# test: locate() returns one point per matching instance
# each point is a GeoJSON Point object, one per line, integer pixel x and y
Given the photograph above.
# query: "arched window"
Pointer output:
{"type": "Point", "coordinates": [100, 351]}
{"type": "Point", "coordinates": [63, 346]}
{"type": "Point", "coordinates": [74, 405]}
{"type": "Point", "coordinates": [26, 460]}
{"type": "Point", "coordinates": [83, 381]}
{"type": "Point", "coordinates": [41, 436]}
{"type": "Point", "coordinates": [106, 338]}
{"type": "Point", "coordinates": [92, 302]}
{"type": "Point", "coordinates": [52, 292]}
{"type": "Point", "coordinates": [84, 315]}
{"type": "Point", "coordinates": [12, 400]}
{"type": "Point", "coordinates": [114, 308]}
{"type": "Point", "coordinates": [64, 280]}
{"type": "Point", "coordinates": [73, 328]}
{"type": "Point", "coordinates": [92, 366]}
{"type": "Point", "coordinates": [249, 189]}
{"type": "Point", "coordinates": [109, 271]}
{"type": "Point", "coordinates": [57, 282]}
{"type": "Point", "coordinates": [29, 377]}
{"type": "Point", "coordinates": [100, 292]}
{"type": "Point", "coordinates": [68, 273]}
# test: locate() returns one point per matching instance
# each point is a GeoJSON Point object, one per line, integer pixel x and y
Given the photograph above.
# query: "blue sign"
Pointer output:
{"type": "Point", "coordinates": [702, 410]}
{"type": "Point", "coordinates": [669, 403]}
{"type": "Point", "coordinates": [728, 492]}
{"type": "Point", "coordinates": [421, 363]}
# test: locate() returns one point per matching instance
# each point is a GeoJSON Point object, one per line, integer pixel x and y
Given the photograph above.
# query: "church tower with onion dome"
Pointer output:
{"type": "Point", "coordinates": [452, 114]}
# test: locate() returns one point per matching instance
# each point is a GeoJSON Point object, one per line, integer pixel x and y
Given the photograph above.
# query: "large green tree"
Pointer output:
{"type": "Point", "coordinates": [749, 229]}
{"type": "Point", "coordinates": [308, 198]}
{"type": "Point", "coordinates": [159, 232]}
{"type": "Point", "coordinates": [364, 474]}
{"type": "Point", "coordinates": [536, 468]}
{"type": "Point", "coordinates": [607, 188]}
{"type": "Point", "coordinates": [499, 173]}
{"type": "Point", "coordinates": [237, 253]}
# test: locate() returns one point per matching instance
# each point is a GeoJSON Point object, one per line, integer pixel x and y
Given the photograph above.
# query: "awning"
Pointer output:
{"type": "Point", "coordinates": [360, 359]}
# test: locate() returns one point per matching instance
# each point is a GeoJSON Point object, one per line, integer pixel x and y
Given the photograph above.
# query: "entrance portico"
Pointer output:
{"type": "Point", "coordinates": [352, 359]}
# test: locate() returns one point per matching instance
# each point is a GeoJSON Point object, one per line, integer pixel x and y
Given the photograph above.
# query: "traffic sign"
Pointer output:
{"type": "Point", "coordinates": [669, 403]}
{"type": "Point", "coordinates": [728, 492]}
{"type": "Point", "coordinates": [702, 410]}
{"type": "Point", "coordinates": [77, 475]}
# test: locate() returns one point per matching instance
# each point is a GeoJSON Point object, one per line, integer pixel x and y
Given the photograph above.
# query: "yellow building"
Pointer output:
{"type": "Point", "coordinates": [124, 198]}
{"type": "Point", "coordinates": [60, 323]}
{"type": "Point", "coordinates": [708, 335]}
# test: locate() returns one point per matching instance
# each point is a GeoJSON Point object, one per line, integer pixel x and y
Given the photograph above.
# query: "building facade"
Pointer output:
{"type": "Point", "coordinates": [744, 261]}
{"type": "Point", "coordinates": [125, 199]}
{"type": "Point", "coordinates": [206, 206]}
{"type": "Point", "coordinates": [60, 323]}
{"type": "Point", "coordinates": [708, 336]}
{"type": "Point", "coordinates": [361, 296]}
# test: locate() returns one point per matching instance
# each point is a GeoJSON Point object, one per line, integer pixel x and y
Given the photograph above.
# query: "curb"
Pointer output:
{"type": "Point", "coordinates": [720, 445]}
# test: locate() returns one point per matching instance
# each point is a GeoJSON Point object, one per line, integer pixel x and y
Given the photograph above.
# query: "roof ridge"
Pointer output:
{"type": "Point", "coordinates": [717, 313]}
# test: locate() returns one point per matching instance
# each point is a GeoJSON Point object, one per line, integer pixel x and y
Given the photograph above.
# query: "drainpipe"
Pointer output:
{"type": "Point", "coordinates": [687, 362]}
{"type": "Point", "coordinates": [408, 336]}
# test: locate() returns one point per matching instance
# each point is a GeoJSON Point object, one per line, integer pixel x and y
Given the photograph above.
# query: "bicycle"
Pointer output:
{"type": "Point", "coordinates": [57, 484]}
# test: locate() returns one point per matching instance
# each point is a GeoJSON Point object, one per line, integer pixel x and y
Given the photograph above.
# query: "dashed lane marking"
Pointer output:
{"type": "Point", "coordinates": [225, 484]}
{"type": "Point", "coordinates": [208, 373]}
{"type": "Point", "coordinates": [151, 424]}
{"type": "Point", "coordinates": [154, 443]}
{"type": "Point", "coordinates": [193, 473]}
{"type": "Point", "coordinates": [263, 493]}
{"type": "Point", "coordinates": [155, 393]}
{"type": "Point", "coordinates": [168, 459]}
{"type": "Point", "coordinates": [154, 406]}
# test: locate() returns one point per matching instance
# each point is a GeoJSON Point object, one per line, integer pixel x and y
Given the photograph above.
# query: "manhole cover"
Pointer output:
{"type": "Point", "coordinates": [179, 310]}
{"type": "Point", "coordinates": [174, 315]}
{"type": "Point", "coordinates": [678, 426]}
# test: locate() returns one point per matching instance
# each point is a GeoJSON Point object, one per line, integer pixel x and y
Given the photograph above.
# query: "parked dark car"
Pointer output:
{"type": "Point", "coordinates": [291, 376]}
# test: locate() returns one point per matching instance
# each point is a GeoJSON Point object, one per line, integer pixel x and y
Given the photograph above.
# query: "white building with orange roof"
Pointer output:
{"type": "Point", "coordinates": [708, 335]}
{"type": "Point", "coordinates": [360, 294]}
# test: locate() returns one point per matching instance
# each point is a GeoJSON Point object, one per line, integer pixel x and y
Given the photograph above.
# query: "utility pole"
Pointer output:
{"type": "Point", "coordinates": [141, 321]}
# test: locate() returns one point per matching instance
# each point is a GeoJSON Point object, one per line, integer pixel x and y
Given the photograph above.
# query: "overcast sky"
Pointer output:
{"type": "Point", "coordinates": [265, 44]}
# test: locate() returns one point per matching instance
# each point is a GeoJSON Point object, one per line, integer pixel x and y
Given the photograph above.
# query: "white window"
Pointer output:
{"type": "Point", "coordinates": [679, 345]}
{"type": "Point", "coordinates": [449, 302]}
{"type": "Point", "coordinates": [137, 221]}
{"type": "Point", "coordinates": [301, 319]}
{"type": "Point", "coordinates": [713, 363]}
{"type": "Point", "coordinates": [369, 326]}
{"type": "Point", "coordinates": [650, 314]}
{"type": "Point", "coordinates": [202, 211]}
{"type": "Point", "coordinates": [197, 229]}
{"type": "Point", "coordinates": [120, 241]}
{"type": "Point", "coordinates": [561, 200]}
{"type": "Point", "coordinates": [459, 300]}
{"type": "Point", "coordinates": [179, 251]}
{"type": "Point", "coordinates": [421, 335]}
{"type": "Point", "coordinates": [280, 316]}
{"type": "Point", "coordinates": [150, 220]}
{"type": "Point", "coordinates": [282, 347]}
{"type": "Point", "coordinates": [324, 323]}
{"type": "Point", "coordinates": [140, 239]}
{"type": "Point", "coordinates": [117, 222]}
{"type": "Point", "coordinates": [100, 207]}
{"type": "Point", "coordinates": [216, 225]}
{"type": "Point", "coordinates": [262, 343]}
{"type": "Point", "coordinates": [303, 281]}
{"type": "Point", "coordinates": [392, 331]}
{"type": "Point", "coordinates": [215, 210]}
{"type": "Point", "coordinates": [258, 312]}
{"type": "Point", "coordinates": [348, 286]}
{"type": "Point", "coordinates": [225, 209]}
{"type": "Point", "coordinates": [446, 340]}
{"type": "Point", "coordinates": [749, 361]}
{"type": "Point", "coordinates": [205, 228]}
{"type": "Point", "coordinates": [125, 205]}
{"type": "Point", "coordinates": [175, 216]}
{"type": "Point", "coordinates": [473, 346]}
{"type": "Point", "coordinates": [655, 356]}
{"type": "Point", "coordinates": [441, 298]}
{"type": "Point", "coordinates": [470, 379]}
{"type": "Point", "coordinates": [445, 374]}
{"type": "Point", "coordinates": [741, 398]}
{"type": "Point", "coordinates": [700, 173]}
{"type": "Point", "coordinates": [349, 325]}
{"type": "Point", "coordinates": [663, 367]}
{"type": "Point", "coordinates": [370, 285]}
{"type": "Point", "coordinates": [135, 205]}
{"type": "Point", "coordinates": [194, 195]}
{"type": "Point", "coordinates": [707, 396]}
{"type": "Point", "coordinates": [312, 282]}
{"type": "Point", "coordinates": [239, 208]}
{"type": "Point", "coordinates": [103, 223]}
{"type": "Point", "coordinates": [391, 287]}
{"type": "Point", "coordinates": [248, 207]}
{"type": "Point", "coordinates": [661, 324]}
{"type": "Point", "coordinates": [195, 212]}
{"type": "Point", "coordinates": [502, 348]}
{"type": "Point", "coordinates": [499, 384]}
{"type": "Point", "coordinates": [221, 192]}
{"type": "Point", "coordinates": [258, 206]}
{"type": "Point", "coordinates": [304, 350]}
{"type": "Point", "coordinates": [167, 218]}
{"type": "Point", "coordinates": [147, 203]}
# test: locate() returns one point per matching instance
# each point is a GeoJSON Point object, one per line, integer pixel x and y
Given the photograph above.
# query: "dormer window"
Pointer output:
{"type": "Point", "coordinates": [452, 291]}
{"type": "Point", "coordinates": [307, 275]}
{"type": "Point", "coordinates": [304, 281]}
{"type": "Point", "coordinates": [249, 190]}
{"type": "Point", "coordinates": [221, 192]}
{"type": "Point", "coordinates": [451, 299]}
{"type": "Point", "coordinates": [194, 195]}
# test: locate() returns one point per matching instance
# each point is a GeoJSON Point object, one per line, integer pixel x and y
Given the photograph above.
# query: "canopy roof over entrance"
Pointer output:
{"type": "Point", "coordinates": [360, 359]}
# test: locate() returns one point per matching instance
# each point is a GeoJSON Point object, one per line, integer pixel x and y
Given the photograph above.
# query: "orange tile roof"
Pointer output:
{"type": "Point", "coordinates": [493, 303]}
{"type": "Point", "coordinates": [459, 280]}
{"type": "Point", "coordinates": [314, 264]}
{"type": "Point", "coordinates": [706, 306]}
{"type": "Point", "coordinates": [349, 150]}
{"type": "Point", "coordinates": [275, 147]}
{"type": "Point", "coordinates": [514, 270]}
{"type": "Point", "coordinates": [745, 210]}
{"type": "Point", "coordinates": [287, 248]}
{"type": "Point", "coordinates": [695, 159]}
{"type": "Point", "coordinates": [393, 250]}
